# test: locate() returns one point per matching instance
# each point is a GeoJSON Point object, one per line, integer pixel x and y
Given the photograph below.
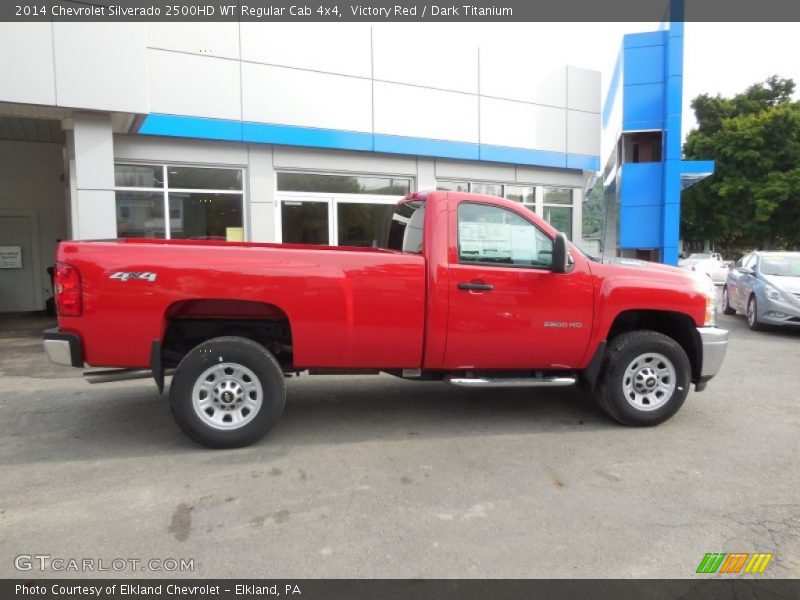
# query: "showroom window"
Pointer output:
{"type": "Point", "coordinates": [555, 203]}
{"type": "Point", "coordinates": [179, 202]}
{"type": "Point", "coordinates": [337, 210]}
{"type": "Point", "coordinates": [557, 208]}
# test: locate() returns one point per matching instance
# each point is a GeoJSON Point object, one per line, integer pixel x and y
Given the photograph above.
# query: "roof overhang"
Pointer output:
{"type": "Point", "coordinates": [694, 171]}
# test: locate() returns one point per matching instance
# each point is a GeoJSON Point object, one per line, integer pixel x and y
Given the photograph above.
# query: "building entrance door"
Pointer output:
{"type": "Point", "coordinates": [18, 288]}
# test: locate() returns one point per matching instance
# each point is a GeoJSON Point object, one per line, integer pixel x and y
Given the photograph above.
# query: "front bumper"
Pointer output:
{"type": "Point", "coordinates": [714, 343]}
{"type": "Point", "coordinates": [63, 348]}
{"type": "Point", "coordinates": [778, 312]}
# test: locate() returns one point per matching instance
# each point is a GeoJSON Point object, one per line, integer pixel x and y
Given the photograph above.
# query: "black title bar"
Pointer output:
{"type": "Point", "coordinates": [705, 588]}
{"type": "Point", "coordinates": [333, 11]}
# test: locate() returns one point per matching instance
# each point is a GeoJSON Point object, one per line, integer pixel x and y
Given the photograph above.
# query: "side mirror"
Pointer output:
{"type": "Point", "coordinates": [560, 254]}
{"type": "Point", "coordinates": [746, 271]}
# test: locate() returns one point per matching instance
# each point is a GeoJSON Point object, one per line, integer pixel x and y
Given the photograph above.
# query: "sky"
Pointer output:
{"type": "Point", "coordinates": [719, 58]}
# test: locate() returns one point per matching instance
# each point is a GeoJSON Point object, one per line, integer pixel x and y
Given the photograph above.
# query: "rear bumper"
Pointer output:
{"type": "Point", "coordinates": [715, 344]}
{"type": "Point", "coordinates": [63, 348]}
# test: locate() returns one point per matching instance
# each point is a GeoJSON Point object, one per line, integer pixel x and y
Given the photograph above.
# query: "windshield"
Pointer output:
{"type": "Point", "coordinates": [782, 265]}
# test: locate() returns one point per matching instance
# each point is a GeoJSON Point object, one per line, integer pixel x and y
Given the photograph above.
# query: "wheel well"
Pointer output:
{"type": "Point", "coordinates": [678, 326]}
{"type": "Point", "coordinates": [191, 322]}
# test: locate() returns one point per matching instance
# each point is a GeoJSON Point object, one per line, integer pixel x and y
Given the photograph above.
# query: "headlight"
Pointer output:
{"type": "Point", "coordinates": [706, 287]}
{"type": "Point", "coordinates": [773, 294]}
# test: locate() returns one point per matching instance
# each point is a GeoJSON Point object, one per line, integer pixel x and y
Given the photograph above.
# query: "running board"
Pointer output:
{"type": "Point", "coordinates": [109, 375]}
{"type": "Point", "coordinates": [486, 382]}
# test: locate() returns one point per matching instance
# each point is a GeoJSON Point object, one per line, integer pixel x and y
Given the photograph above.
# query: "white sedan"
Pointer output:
{"type": "Point", "coordinates": [708, 263]}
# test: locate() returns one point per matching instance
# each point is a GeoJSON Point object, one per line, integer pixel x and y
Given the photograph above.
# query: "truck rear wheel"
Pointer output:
{"type": "Point", "coordinates": [227, 392]}
{"type": "Point", "coordinates": [645, 380]}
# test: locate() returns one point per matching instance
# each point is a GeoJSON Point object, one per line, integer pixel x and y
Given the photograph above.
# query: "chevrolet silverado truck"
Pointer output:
{"type": "Point", "coordinates": [470, 290]}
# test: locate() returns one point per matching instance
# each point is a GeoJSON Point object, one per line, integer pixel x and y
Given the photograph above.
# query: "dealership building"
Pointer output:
{"type": "Point", "coordinates": [279, 132]}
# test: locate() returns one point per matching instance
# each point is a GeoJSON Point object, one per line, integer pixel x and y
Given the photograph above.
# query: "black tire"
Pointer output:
{"type": "Point", "coordinates": [726, 302]}
{"type": "Point", "coordinates": [253, 369]}
{"type": "Point", "coordinates": [752, 315]}
{"type": "Point", "coordinates": [622, 351]}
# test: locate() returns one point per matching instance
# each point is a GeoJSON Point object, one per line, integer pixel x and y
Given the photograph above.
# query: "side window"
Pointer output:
{"type": "Point", "coordinates": [405, 231]}
{"type": "Point", "coordinates": [749, 261]}
{"type": "Point", "coordinates": [493, 235]}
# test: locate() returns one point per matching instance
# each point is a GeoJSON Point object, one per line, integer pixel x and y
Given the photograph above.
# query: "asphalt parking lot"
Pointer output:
{"type": "Point", "coordinates": [378, 477]}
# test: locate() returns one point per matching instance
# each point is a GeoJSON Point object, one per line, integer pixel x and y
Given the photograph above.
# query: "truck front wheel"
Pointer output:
{"type": "Point", "coordinates": [646, 378]}
{"type": "Point", "coordinates": [227, 392]}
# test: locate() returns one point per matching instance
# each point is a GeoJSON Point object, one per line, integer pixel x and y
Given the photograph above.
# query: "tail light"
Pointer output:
{"type": "Point", "coordinates": [68, 290]}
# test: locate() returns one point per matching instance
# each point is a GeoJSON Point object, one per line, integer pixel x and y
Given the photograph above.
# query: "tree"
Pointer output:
{"type": "Point", "coordinates": [753, 198]}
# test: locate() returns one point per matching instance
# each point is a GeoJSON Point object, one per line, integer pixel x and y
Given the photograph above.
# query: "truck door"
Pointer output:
{"type": "Point", "coordinates": [507, 308]}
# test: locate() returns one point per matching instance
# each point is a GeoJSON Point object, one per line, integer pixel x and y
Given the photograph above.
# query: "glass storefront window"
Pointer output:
{"type": "Point", "coordinates": [343, 184]}
{"type": "Point", "coordinates": [304, 222]}
{"type": "Point", "coordinates": [361, 224]}
{"type": "Point", "coordinates": [214, 211]}
{"type": "Point", "coordinates": [452, 186]}
{"type": "Point", "coordinates": [204, 216]}
{"type": "Point", "coordinates": [140, 215]}
{"type": "Point", "coordinates": [202, 178]}
{"type": "Point", "coordinates": [520, 193]}
{"type": "Point", "coordinates": [488, 189]}
{"type": "Point", "coordinates": [559, 217]}
{"type": "Point", "coordinates": [141, 176]}
{"type": "Point", "coordinates": [557, 196]}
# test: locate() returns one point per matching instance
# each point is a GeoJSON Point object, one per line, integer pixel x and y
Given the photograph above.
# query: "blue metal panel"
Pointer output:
{"type": "Point", "coordinates": [643, 65]}
{"type": "Point", "coordinates": [290, 135]}
{"type": "Point", "coordinates": [192, 127]}
{"type": "Point", "coordinates": [640, 184]}
{"type": "Point", "coordinates": [306, 136]}
{"type": "Point", "coordinates": [613, 90]}
{"type": "Point", "coordinates": [648, 38]}
{"type": "Point", "coordinates": [396, 144]}
{"type": "Point", "coordinates": [643, 106]}
{"type": "Point", "coordinates": [640, 226]}
{"type": "Point", "coordinates": [583, 162]}
{"type": "Point", "coordinates": [523, 157]}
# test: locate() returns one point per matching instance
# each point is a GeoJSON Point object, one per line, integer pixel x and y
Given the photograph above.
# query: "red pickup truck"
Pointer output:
{"type": "Point", "coordinates": [471, 290]}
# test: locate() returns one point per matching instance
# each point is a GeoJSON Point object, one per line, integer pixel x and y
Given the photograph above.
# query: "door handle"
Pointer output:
{"type": "Point", "coordinates": [475, 286]}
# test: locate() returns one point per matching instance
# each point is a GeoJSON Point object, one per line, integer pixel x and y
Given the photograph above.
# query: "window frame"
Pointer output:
{"type": "Point", "coordinates": [165, 189]}
{"type": "Point", "coordinates": [332, 198]}
{"type": "Point", "coordinates": [498, 265]}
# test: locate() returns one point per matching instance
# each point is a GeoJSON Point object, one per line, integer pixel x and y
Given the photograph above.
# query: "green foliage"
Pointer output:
{"type": "Point", "coordinates": [753, 198]}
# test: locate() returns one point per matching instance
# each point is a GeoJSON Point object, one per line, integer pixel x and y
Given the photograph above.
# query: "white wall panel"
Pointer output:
{"type": "Point", "coordinates": [459, 169]}
{"type": "Point", "coordinates": [96, 215]}
{"type": "Point", "coordinates": [521, 125]}
{"type": "Point", "coordinates": [202, 86]}
{"type": "Point", "coordinates": [101, 66]}
{"type": "Point", "coordinates": [305, 98]}
{"type": "Point", "coordinates": [94, 151]}
{"type": "Point", "coordinates": [420, 112]}
{"type": "Point", "coordinates": [343, 48]}
{"type": "Point", "coordinates": [177, 150]}
{"type": "Point", "coordinates": [503, 77]}
{"type": "Point", "coordinates": [543, 176]}
{"type": "Point", "coordinates": [583, 133]}
{"type": "Point", "coordinates": [26, 69]}
{"type": "Point", "coordinates": [445, 62]}
{"type": "Point", "coordinates": [286, 157]}
{"type": "Point", "coordinates": [211, 39]}
{"type": "Point", "coordinates": [583, 89]}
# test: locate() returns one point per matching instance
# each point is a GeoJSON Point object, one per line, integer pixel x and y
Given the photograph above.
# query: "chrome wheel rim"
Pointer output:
{"type": "Point", "coordinates": [725, 298]}
{"type": "Point", "coordinates": [227, 396]}
{"type": "Point", "coordinates": [649, 381]}
{"type": "Point", "coordinates": [751, 312]}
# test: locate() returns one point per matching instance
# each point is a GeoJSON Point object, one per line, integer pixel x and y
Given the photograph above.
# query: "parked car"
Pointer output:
{"type": "Point", "coordinates": [766, 287]}
{"type": "Point", "coordinates": [710, 264]}
{"type": "Point", "coordinates": [472, 290]}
